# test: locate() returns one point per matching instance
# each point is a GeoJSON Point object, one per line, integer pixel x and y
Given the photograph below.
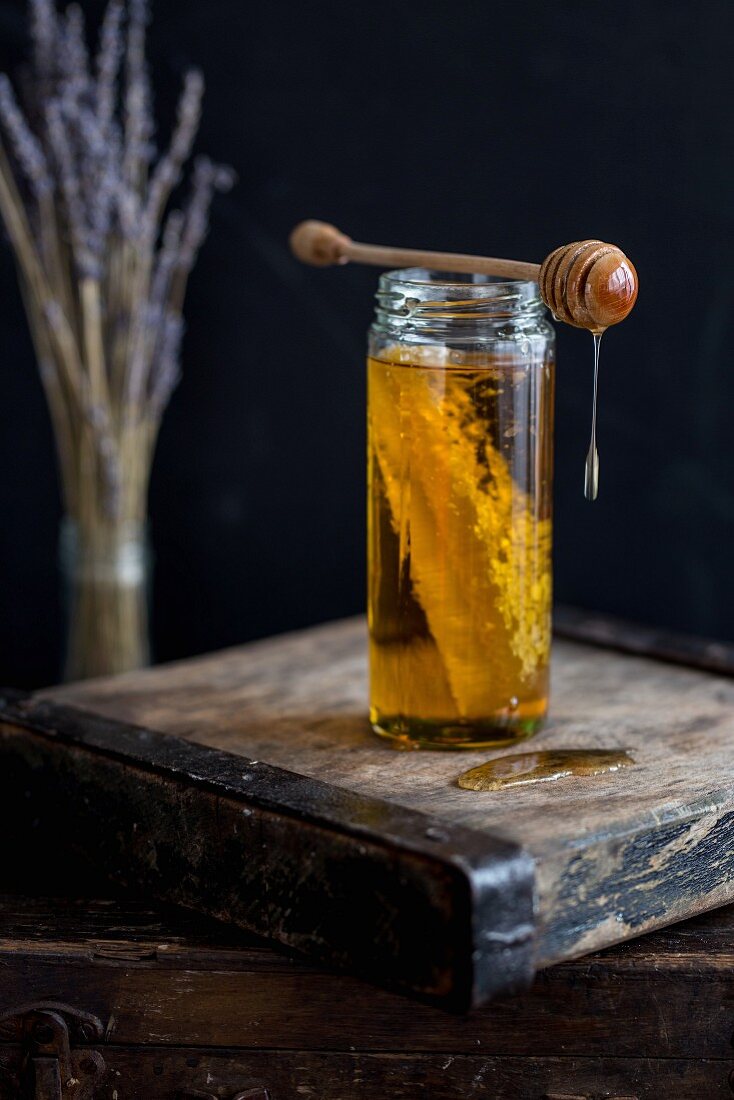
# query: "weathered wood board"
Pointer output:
{"type": "Point", "coordinates": [321, 836]}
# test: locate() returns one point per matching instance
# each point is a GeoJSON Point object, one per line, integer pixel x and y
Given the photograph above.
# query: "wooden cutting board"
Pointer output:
{"type": "Point", "coordinates": [248, 785]}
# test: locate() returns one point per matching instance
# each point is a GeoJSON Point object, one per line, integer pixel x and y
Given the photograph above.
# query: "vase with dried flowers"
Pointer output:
{"type": "Point", "coordinates": [103, 265]}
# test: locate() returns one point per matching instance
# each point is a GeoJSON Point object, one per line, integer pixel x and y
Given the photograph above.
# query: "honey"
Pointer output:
{"type": "Point", "coordinates": [528, 768]}
{"type": "Point", "coordinates": [459, 544]}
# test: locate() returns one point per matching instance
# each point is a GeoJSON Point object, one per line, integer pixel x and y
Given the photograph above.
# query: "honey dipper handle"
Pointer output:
{"type": "Point", "coordinates": [322, 244]}
{"type": "Point", "coordinates": [387, 256]}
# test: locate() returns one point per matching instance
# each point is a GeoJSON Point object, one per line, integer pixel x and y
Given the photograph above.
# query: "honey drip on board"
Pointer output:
{"type": "Point", "coordinates": [527, 768]}
{"type": "Point", "coordinates": [591, 472]}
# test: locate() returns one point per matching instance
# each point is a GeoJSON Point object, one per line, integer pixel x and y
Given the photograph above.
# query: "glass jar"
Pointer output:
{"type": "Point", "coordinates": [460, 412]}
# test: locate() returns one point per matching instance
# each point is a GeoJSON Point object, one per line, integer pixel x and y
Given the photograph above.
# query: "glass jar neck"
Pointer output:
{"type": "Point", "coordinates": [416, 305]}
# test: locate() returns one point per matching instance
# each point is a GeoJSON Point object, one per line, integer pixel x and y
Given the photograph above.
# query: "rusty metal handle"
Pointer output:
{"type": "Point", "coordinates": [51, 1069]}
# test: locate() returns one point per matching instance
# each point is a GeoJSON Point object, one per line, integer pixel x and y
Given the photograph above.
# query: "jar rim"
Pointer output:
{"type": "Point", "coordinates": [420, 301]}
{"type": "Point", "coordinates": [471, 284]}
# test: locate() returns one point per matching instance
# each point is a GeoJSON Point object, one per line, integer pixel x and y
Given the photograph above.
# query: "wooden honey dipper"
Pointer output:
{"type": "Point", "coordinates": [587, 284]}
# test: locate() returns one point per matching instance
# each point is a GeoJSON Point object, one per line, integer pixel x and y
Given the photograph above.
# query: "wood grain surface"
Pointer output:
{"type": "Point", "coordinates": [159, 975]}
{"type": "Point", "coordinates": [614, 855]}
{"type": "Point", "coordinates": [189, 1003]}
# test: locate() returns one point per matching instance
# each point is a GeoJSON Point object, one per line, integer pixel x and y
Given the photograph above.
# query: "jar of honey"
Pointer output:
{"type": "Point", "coordinates": [460, 410]}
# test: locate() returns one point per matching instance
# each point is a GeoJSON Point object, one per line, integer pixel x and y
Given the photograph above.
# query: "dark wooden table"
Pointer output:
{"type": "Point", "coordinates": [189, 1007]}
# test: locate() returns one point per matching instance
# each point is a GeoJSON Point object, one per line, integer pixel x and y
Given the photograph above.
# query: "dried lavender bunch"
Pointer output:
{"type": "Point", "coordinates": [103, 264]}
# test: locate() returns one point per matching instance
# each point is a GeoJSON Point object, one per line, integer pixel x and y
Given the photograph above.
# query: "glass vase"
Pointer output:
{"type": "Point", "coordinates": [106, 570]}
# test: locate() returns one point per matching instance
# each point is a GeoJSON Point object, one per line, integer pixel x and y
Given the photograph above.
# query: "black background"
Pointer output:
{"type": "Point", "coordinates": [489, 127]}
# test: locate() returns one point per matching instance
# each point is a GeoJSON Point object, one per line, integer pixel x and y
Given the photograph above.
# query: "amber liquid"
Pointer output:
{"type": "Point", "coordinates": [460, 472]}
{"type": "Point", "coordinates": [526, 769]}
